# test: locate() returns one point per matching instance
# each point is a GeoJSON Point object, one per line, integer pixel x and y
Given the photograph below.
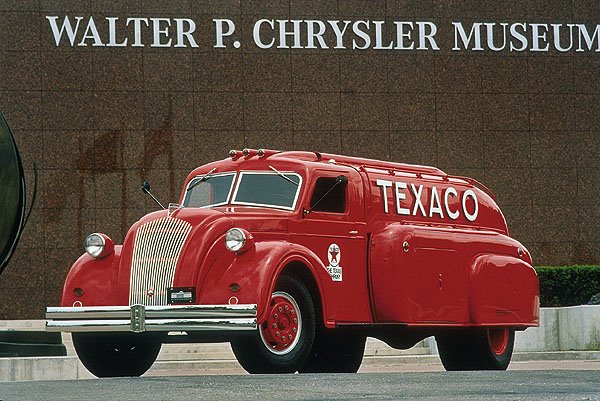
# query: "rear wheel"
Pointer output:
{"type": "Point", "coordinates": [116, 354]}
{"type": "Point", "coordinates": [283, 342]}
{"type": "Point", "coordinates": [335, 352]}
{"type": "Point", "coordinates": [476, 349]}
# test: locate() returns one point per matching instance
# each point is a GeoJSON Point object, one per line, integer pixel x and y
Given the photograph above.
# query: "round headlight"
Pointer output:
{"type": "Point", "coordinates": [94, 245]}
{"type": "Point", "coordinates": [235, 239]}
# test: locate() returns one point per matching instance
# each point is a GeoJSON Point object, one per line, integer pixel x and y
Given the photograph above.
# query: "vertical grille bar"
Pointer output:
{"type": "Point", "coordinates": [156, 249]}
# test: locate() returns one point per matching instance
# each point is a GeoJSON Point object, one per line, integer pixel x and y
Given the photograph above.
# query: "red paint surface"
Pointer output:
{"type": "Point", "coordinates": [455, 272]}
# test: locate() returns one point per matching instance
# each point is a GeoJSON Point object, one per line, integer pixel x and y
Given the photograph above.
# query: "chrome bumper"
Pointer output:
{"type": "Point", "coordinates": [140, 318]}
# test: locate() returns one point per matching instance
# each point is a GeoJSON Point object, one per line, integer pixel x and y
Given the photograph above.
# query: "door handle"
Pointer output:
{"type": "Point", "coordinates": [353, 232]}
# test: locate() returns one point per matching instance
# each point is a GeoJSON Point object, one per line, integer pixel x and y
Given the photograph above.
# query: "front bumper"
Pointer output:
{"type": "Point", "coordinates": [140, 318]}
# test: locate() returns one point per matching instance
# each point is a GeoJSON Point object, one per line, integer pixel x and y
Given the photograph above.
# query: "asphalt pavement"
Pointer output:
{"type": "Point", "coordinates": [509, 385]}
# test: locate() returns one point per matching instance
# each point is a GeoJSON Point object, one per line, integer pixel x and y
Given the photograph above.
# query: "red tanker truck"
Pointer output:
{"type": "Point", "coordinates": [295, 258]}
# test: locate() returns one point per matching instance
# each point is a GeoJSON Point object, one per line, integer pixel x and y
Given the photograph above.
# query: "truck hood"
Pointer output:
{"type": "Point", "coordinates": [258, 219]}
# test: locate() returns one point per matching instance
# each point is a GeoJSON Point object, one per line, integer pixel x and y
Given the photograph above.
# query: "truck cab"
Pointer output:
{"type": "Point", "coordinates": [295, 258]}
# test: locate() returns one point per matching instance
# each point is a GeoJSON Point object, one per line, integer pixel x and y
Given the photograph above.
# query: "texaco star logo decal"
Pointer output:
{"type": "Point", "coordinates": [333, 255]}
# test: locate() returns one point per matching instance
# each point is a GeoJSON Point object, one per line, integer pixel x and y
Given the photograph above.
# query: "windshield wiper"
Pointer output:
{"type": "Point", "coordinates": [283, 176]}
{"type": "Point", "coordinates": [204, 178]}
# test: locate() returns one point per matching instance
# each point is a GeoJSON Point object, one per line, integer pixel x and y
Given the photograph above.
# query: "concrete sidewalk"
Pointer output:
{"type": "Point", "coordinates": [198, 359]}
{"type": "Point", "coordinates": [69, 367]}
{"type": "Point", "coordinates": [201, 359]}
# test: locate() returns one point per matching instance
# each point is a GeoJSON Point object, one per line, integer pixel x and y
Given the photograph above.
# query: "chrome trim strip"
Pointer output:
{"type": "Point", "coordinates": [164, 325]}
{"type": "Point", "coordinates": [200, 324]}
{"type": "Point", "coordinates": [116, 312]}
{"type": "Point", "coordinates": [140, 318]}
{"type": "Point", "coordinates": [88, 325]}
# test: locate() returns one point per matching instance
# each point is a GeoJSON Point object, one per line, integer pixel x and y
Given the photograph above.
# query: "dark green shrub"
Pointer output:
{"type": "Point", "coordinates": [568, 285]}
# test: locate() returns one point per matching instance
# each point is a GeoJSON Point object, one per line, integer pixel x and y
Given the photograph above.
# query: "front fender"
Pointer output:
{"type": "Point", "coordinates": [256, 272]}
{"type": "Point", "coordinates": [503, 290]}
{"type": "Point", "coordinates": [96, 277]}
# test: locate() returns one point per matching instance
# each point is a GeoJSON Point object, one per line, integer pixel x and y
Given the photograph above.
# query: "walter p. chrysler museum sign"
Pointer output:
{"type": "Point", "coordinates": [326, 34]}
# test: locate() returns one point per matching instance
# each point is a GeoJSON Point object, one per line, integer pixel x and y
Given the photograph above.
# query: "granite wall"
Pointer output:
{"type": "Point", "coordinates": [97, 121]}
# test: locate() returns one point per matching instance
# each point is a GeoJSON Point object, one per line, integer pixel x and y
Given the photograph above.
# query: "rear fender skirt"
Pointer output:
{"type": "Point", "coordinates": [503, 289]}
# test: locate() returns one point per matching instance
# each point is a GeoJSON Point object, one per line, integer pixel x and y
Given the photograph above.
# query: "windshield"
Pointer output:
{"type": "Point", "coordinates": [209, 190]}
{"type": "Point", "coordinates": [271, 189]}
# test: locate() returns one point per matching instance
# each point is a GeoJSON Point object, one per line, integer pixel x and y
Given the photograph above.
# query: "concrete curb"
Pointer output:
{"type": "Point", "coordinates": [42, 368]}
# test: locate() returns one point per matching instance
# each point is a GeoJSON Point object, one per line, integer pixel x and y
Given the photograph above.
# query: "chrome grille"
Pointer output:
{"type": "Point", "coordinates": [156, 249]}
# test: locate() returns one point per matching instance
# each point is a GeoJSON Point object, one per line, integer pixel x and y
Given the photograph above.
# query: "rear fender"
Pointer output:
{"type": "Point", "coordinates": [96, 277]}
{"type": "Point", "coordinates": [256, 271]}
{"type": "Point", "coordinates": [503, 290]}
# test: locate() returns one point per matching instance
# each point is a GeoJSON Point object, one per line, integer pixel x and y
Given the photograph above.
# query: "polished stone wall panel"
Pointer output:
{"type": "Point", "coordinates": [364, 111]}
{"type": "Point", "coordinates": [411, 74]}
{"type": "Point", "coordinates": [505, 112]}
{"type": "Point", "coordinates": [279, 139]}
{"type": "Point", "coordinates": [325, 141]}
{"type": "Point", "coordinates": [316, 111]}
{"type": "Point", "coordinates": [512, 187]}
{"type": "Point", "coordinates": [315, 73]}
{"type": "Point", "coordinates": [68, 70]}
{"type": "Point", "coordinates": [366, 144]}
{"type": "Point", "coordinates": [411, 111]}
{"type": "Point", "coordinates": [417, 147]}
{"type": "Point", "coordinates": [98, 121]}
{"type": "Point", "coordinates": [507, 149]}
{"type": "Point", "coordinates": [458, 74]}
{"type": "Point", "coordinates": [363, 73]}
{"type": "Point", "coordinates": [504, 74]}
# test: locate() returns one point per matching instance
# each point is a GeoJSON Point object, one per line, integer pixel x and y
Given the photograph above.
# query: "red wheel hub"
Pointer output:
{"type": "Point", "coordinates": [498, 339]}
{"type": "Point", "coordinates": [281, 330]}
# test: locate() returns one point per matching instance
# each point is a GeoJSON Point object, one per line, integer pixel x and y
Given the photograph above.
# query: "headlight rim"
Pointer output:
{"type": "Point", "coordinates": [242, 244]}
{"type": "Point", "coordinates": [106, 249]}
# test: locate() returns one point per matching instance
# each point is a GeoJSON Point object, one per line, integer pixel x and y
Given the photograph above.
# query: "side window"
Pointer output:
{"type": "Point", "coordinates": [334, 201]}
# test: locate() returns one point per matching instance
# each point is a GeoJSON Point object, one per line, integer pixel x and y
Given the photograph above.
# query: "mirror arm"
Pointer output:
{"type": "Point", "coordinates": [146, 190]}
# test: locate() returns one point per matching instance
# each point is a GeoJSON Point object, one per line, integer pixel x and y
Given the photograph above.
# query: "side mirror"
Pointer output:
{"type": "Point", "coordinates": [146, 190]}
{"type": "Point", "coordinates": [341, 180]}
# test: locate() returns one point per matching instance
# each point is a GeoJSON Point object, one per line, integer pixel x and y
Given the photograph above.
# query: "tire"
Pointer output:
{"type": "Point", "coordinates": [266, 351]}
{"type": "Point", "coordinates": [116, 354]}
{"type": "Point", "coordinates": [476, 349]}
{"type": "Point", "coordinates": [335, 352]}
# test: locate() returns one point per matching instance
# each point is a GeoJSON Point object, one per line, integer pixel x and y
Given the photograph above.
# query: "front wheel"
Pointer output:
{"type": "Point", "coordinates": [283, 342]}
{"type": "Point", "coordinates": [116, 354]}
{"type": "Point", "coordinates": [476, 349]}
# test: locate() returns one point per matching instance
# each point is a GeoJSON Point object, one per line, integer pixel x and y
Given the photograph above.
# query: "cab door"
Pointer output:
{"type": "Point", "coordinates": [334, 229]}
